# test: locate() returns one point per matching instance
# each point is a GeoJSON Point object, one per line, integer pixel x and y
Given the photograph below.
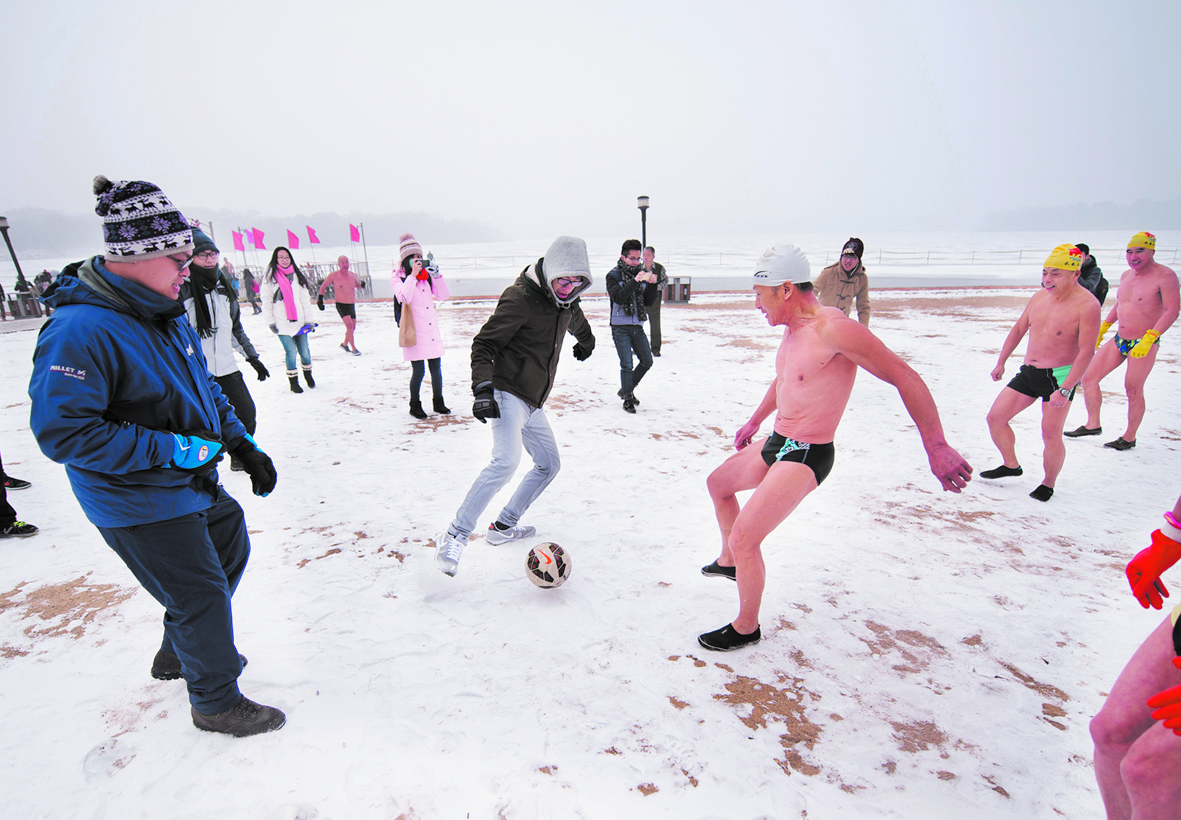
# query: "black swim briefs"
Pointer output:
{"type": "Point", "coordinates": [346, 310]}
{"type": "Point", "coordinates": [819, 457]}
{"type": "Point", "coordinates": [1039, 382]}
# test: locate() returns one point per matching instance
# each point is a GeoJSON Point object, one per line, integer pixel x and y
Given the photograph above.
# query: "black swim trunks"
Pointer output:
{"type": "Point", "coordinates": [819, 457]}
{"type": "Point", "coordinates": [346, 310]}
{"type": "Point", "coordinates": [1040, 382]}
{"type": "Point", "coordinates": [1177, 631]}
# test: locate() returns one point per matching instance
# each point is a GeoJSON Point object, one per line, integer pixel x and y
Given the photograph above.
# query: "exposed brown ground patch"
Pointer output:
{"type": "Point", "coordinates": [66, 608]}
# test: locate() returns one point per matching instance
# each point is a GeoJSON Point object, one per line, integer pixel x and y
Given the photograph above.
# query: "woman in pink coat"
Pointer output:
{"type": "Point", "coordinates": [417, 287]}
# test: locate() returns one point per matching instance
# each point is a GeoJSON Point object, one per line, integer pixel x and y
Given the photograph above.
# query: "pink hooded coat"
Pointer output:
{"type": "Point", "coordinates": [417, 297]}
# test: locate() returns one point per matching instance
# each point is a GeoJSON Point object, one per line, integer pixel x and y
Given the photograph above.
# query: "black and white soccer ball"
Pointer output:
{"type": "Point", "coordinates": [548, 565]}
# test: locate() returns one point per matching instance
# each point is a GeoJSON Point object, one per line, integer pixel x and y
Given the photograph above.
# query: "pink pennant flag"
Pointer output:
{"type": "Point", "coordinates": [354, 234]}
{"type": "Point", "coordinates": [292, 241]}
{"type": "Point", "coordinates": [315, 240]}
{"type": "Point", "coordinates": [258, 235]}
{"type": "Point", "coordinates": [238, 244]}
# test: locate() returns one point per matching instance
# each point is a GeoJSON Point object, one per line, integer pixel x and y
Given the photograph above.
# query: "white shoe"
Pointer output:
{"type": "Point", "coordinates": [448, 549]}
{"type": "Point", "coordinates": [496, 536]}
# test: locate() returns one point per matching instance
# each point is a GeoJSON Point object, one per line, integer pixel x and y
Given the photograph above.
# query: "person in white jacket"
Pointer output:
{"type": "Point", "coordinates": [416, 287]}
{"type": "Point", "coordinates": [287, 308]}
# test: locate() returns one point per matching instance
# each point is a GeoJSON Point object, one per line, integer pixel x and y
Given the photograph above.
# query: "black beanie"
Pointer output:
{"type": "Point", "coordinates": [856, 245]}
{"type": "Point", "coordinates": [202, 242]}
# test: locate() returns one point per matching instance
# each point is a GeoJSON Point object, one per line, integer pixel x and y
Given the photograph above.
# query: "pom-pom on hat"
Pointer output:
{"type": "Point", "coordinates": [782, 263]}
{"type": "Point", "coordinates": [854, 246]}
{"type": "Point", "coordinates": [139, 222]}
{"type": "Point", "coordinates": [408, 246]}
{"type": "Point", "coordinates": [1143, 240]}
{"type": "Point", "coordinates": [1065, 257]}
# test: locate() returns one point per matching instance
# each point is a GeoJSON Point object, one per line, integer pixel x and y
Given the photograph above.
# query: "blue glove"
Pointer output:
{"type": "Point", "coordinates": [308, 328]}
{"type": "Point", "coordinates": [197, 452]}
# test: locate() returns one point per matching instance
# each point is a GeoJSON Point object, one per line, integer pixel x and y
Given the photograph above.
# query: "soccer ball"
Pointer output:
{"type": "Point", "coordinates": [548, 565]}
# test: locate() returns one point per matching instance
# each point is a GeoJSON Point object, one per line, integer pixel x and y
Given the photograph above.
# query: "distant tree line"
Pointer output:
{"type": "Point", "coordinates": [1101, 216]}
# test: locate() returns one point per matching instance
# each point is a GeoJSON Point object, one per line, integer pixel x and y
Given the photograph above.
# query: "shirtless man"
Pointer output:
{"type": "Point", "coordinates": [1062, 320]}
{"type": "Point", "coordinates": [815, 368]}
{"type": "Point", "coordinates": [345, 284]}
{"type": "Point", "coordinates": [1137, 748]}
{"type": "Point", "coordinates": [1146, 305]}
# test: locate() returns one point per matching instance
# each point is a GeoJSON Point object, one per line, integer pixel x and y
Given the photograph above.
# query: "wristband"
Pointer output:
{"type": "Point", "coordinates": [1172, 527]}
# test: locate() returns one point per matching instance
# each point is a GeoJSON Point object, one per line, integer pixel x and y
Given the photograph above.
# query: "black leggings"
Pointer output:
{"type": "Point", "coordinates": [416, 374]}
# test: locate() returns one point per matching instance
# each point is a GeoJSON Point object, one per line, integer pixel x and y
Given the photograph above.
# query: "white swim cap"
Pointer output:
{"type": "Point", "coordinates": [782, 263]}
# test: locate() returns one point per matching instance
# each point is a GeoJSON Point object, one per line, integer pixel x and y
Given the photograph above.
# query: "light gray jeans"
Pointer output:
{"type": "Point", "coordinates": [519, 425]}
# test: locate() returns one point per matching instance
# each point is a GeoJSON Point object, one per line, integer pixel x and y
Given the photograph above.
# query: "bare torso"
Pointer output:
{"type": "Point", "coordinates": [1054, 327]}
{"type": "Point", "coordinates": [1141, 298]}
{"type": "Point", "coordinates": [344, 284]}
{"type": "Point", "coordinates": [813, 382]}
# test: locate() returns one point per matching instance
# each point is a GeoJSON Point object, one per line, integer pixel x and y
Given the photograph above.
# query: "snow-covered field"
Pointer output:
{"type": "Point", "coordinates": [925, 654]}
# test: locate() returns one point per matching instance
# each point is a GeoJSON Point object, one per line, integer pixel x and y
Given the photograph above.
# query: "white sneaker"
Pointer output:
{"type": "Point", "coordinates": [497, 536]}
{"type": "Point", "coordinates": [448, 549]}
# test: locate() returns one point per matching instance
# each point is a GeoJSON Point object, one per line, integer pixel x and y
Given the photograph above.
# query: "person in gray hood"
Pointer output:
{"type": "Point", "coordinates": [514, 362]}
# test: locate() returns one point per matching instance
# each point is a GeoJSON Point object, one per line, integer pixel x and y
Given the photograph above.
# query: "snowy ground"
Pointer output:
{"type": "Point", "coordinates": [925, 654]}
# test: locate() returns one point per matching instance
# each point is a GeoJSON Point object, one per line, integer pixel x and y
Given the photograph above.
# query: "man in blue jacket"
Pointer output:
{"type": "Point", "coordinates": [121, 396]}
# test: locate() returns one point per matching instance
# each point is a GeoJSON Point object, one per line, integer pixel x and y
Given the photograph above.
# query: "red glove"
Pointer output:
{"type": "Point", "coordinates": [1168, 705]}
{"type": "Point", "coordinates": [423, 276]}
{"type": "Point", "coordinates": [1145, 569]}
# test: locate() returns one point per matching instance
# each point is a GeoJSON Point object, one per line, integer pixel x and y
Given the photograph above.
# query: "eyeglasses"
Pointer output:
{"type": "Point", "coordinates": [567, 281]}
{"type": "Point", "coordinates": [631, 258]}
{"type": "Point", "coordinates": [208, 256]}
{"type": "Point", "coordinates": [182, 265]}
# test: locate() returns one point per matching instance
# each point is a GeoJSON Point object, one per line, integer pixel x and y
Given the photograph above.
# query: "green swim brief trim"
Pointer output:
{"type": "Point", "coordinates": [1060, 373]}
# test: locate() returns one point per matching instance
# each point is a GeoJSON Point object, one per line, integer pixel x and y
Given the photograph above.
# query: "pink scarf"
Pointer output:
{"type": "Point", "coordinates": [284, 278]}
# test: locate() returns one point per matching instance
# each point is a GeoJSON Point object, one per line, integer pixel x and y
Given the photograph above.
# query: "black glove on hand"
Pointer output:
{"type": "Point", "coordinates": [259, 368]}
{"type": "Point", "coordinates": [485, 407]}
{"type": "Point", "coordinates": [258, 465]}
{"type": "Point", "coordinates": [275, 329]}
{"type": "Point", "coordinates": [320, 301]}
{"type": "Point", "coordinates": [582, 353]}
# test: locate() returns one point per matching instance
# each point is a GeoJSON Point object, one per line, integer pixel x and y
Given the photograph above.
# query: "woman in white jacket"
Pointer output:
{"type": "Point", "coordinates": [287, 308]}
{"type": "Point", "coordinates": [416, 288]}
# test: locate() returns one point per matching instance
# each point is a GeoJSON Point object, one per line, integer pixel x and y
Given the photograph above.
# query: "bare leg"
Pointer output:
{"type": "Point", "coordinates": [741, 471]}
{"type": "Point", "coordinates": [349, 325]}
{"type": "Point", "coordinates": [1134, 378]}
{"type": "Point", "coordinates": [781, 491]}
{"type": "Point", "coordinates": [1007, 405]}
{"type": "Point", "coordinates": [1137, 760]}
{"type": "Point", "coordinates": [1107, 359]}
{"type": "Point", "coordinates": [1054, 450]}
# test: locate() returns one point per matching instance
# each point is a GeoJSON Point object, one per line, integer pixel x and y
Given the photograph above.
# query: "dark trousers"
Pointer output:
{"type": "Point", "coordinates": [252, 298]}
{"type": "Point", "coordinates": [7, 513]}
{"type": "Point", "coordinates": [417, 371]}
{"type": "Point", "coordinates": [234, 387]}
{"type": "Point", "coordinates": [192, 565]}
{"type": "Point", "coordinates": [629, 339]}
{"type": "Point", "coordinates": [654, 323]}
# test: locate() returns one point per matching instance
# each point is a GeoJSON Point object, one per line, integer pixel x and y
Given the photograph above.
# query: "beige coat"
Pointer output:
{"type": "Point", "coordinates": [835, 288]}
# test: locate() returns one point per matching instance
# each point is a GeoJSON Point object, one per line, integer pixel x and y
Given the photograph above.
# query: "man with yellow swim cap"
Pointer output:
{"type": "Point", "coordinates": [1146, 305]}
{"type": "Point", "coordinates": [1062, 320]}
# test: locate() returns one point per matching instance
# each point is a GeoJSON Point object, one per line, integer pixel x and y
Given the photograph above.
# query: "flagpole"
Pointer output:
{"type": "Point", "coordinates": [366, 249]}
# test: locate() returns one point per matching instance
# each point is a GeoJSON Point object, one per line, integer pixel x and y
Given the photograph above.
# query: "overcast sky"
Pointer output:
{"type": "Point", "coordinates": [540, 117]}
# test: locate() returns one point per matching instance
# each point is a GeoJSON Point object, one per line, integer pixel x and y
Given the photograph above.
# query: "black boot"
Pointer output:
{"type": "Point", "coordinates": [293, 377]}
{"type": "Point", "coordinates": [441, 408]}
{"type": "Point", "coordinates": [307, 375]}
{"type": "Point", "coordinates": [416, 409]}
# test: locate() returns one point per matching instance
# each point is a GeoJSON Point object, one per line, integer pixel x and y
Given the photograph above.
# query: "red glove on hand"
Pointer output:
{"type": "Point", "coordinates": [1168, 705]}
{"type": "Point", "coordinates": [423, 276]}
{"type": "Point", "coordinates": [1145, 569]}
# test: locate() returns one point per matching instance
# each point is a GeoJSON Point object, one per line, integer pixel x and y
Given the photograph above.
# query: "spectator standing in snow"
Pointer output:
{"type": "Point", "coordinates": [632, 291]}
{"type": "Point", "coordinates": [287, 308]}
{"type": "Point", "coordinates": [344, 284]}
{"type": "Point", "coordinates": [654, 267]}
{"type": "Point", "coordinates": [1091, 276]}
{"type": "Point", "coordinates": [251, 288]}
{"type": "Point", "coordinates": [121, 397]}
{"type": "Point", "coordinates": [514, 363]}
{"type": "Point", "coordinates": [845, 283]}
{"type": "Point", "coordinates": [416, 287]}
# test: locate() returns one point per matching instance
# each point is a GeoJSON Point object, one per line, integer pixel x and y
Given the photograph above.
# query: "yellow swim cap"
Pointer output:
{"type": "Point", "coordinates": [1143, 240]}
{"type": "Point", "coordinates": [1065, 257]}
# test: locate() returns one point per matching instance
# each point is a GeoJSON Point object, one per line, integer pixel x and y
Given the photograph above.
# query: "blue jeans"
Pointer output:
{"type": "Point", "coordinates": [629, 338]}
{"type": "Point", "coordinates": [293, 343]}
{"type": "Point", "coordinates": [192, 565]}
{"type": "Point", "coordinates": [417, 371]}
{"type": "Point", "coordinates": [519, 424]}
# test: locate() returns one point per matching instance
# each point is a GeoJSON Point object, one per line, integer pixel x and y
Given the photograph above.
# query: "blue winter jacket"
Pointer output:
{"type": "Point", "coordinates": [116, 371]}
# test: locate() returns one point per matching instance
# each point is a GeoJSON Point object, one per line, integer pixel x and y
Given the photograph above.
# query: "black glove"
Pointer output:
{"type": "Point", "coordinates": [258, 465]}
{"type": "Point", "coordinates": [259, 368]}
{"type": "Point", "coordinates": [320, 301]}
{"type": "Point", "coordinates": [485, 407]}
{"type": "Point", "coordinates": [582, 353]}
{"type": "Point", "coordinates": [275, 329]}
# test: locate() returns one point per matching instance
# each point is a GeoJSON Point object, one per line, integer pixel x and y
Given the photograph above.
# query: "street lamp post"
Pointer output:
{"type": "Point", "coordinates": [8, 242]}
{"type": "Point", "coordinates": [642, 204]}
